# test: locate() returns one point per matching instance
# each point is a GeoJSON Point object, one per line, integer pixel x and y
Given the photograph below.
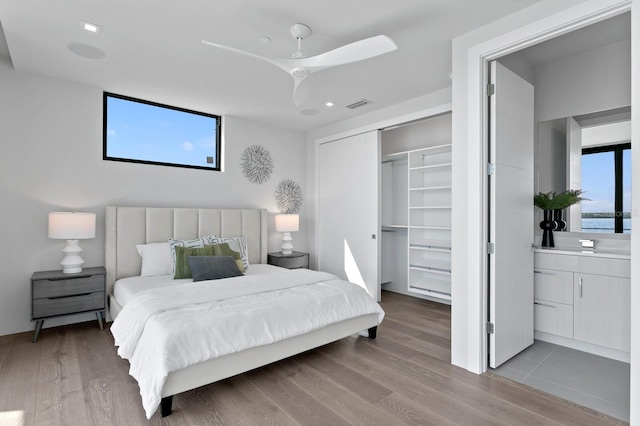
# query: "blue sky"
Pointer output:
{"type": "Point", "coordinates": [146, 132]}
{"type": "Point", "coordinates": [598, 182]}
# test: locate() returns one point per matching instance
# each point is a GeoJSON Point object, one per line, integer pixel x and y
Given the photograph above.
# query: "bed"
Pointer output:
{"type": "Point", "coordinates": [127, 227]}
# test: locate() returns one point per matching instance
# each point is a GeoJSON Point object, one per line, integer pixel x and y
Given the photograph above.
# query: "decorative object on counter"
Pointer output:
{"type": "Point", "coordinates": [257, 164]}
{"type": "Point", "coordinates": [288, 197]}
{"type": "Point", "coordinates": [72, 226]}
{"type": "Point", "coordinates": [287, 223]}
{"type": "Point", "coordinates": [553, 206]}
{"type": "Point", "coordinates": [558, 217]}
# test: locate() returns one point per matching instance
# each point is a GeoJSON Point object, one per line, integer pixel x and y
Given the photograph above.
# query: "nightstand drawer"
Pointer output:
{"type": "Point", "coordinates": [296, 260]}
{"type": "Point", "coordinates": [67, 287]}
{"type": "Point", "coordinates": [47, 307]}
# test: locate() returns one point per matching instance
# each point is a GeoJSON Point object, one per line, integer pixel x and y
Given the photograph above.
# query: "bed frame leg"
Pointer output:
{"type": "Point", "coordinates": [372, 332]}
{"type": "Point", "coordinates": [165, 406]}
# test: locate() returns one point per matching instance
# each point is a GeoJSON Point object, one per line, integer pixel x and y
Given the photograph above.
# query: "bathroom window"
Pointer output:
{"type": "Point", "coordinates": [606, 182]}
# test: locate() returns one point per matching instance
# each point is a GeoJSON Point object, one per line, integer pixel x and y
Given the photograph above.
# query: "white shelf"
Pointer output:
{"type": "Point", "coordinates": [430, 207]}
{"type": "Point", "coordinates": [431, 166]}
{"type": "Point", "coordinates": [430, 269]}
{"type": "Point", "coordinates": [425, 247]}
{"type": "Point", "coordinates": [431, 188]}
{"type": "Point", "coordinates": [445, 228]}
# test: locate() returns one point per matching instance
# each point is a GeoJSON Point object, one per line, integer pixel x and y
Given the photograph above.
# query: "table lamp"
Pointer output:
{"type": "Point", "coordinates": [287, 223]}
{"type": "Point", "coordinates": [72, 226]}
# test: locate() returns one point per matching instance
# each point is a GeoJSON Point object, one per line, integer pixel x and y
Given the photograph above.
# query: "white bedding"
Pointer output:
{"type": "Point", "coordinates": [174, 326]}
{"type": "Point", "coordinates": [126, 288]}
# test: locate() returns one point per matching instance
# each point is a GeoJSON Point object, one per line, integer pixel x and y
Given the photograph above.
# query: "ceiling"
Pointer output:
{"type": "Point", "coordinates": [153, 51]}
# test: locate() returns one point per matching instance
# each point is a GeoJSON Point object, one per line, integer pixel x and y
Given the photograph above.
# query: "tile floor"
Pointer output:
{"type": "Point", "coordinates": [586, 379]}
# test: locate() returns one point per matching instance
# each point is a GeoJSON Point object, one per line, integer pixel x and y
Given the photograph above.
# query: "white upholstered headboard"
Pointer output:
{"type": "Point", "coordinates": [127, 226]}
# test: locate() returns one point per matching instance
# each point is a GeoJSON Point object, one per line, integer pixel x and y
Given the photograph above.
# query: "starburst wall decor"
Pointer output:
{"type": "Point", "coordinates": [257, 164]}
{"type": "Point", "coordinates": [288, 197]}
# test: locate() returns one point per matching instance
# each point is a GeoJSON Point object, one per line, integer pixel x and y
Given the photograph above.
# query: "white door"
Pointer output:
{"type": "Point", "coordinates": [348, 210]}
{"type": "Point", "coordinates": [510, 215]}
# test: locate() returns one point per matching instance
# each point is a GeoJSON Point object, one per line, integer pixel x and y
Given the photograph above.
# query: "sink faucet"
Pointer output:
{"type": "Point", "coordinates": [588, 243]}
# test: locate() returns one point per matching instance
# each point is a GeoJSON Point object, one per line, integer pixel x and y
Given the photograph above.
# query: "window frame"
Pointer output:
{"type": "Point", "coordinates": [217, 166]}
{"type": "Point", "coordinates": [617, 149]}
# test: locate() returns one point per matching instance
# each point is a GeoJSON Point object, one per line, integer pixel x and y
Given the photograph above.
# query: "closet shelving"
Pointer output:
{"type": "Point", "coordinates": [420, 206]}
{"type": "Point", "coordinates": [429, 222]}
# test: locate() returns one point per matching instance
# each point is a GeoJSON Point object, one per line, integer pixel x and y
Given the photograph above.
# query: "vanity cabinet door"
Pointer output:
{"type": "Point", "coordinates": [602, 310]}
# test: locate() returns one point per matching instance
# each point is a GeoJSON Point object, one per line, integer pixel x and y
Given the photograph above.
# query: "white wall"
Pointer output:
{"type": "Point", "coordinates": [596, 80]}
{"type": "Point", "coordinates": [51, 137]}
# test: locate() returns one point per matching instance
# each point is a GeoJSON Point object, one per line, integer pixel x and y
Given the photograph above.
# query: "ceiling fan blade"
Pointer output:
{"type": "Point", "coordinates": [352, 52]}
{"type": "Point", "coordinates": [300, 90]}
{"type": "Point", "coordinates": [283, 65]}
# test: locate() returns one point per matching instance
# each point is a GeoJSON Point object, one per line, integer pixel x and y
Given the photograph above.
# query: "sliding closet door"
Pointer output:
{"type": "Point", "coordinates": [348, 210]}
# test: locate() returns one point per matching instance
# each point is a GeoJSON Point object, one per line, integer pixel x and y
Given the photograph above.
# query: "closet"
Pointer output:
{"type": "Point", "coordinates": [416, 208]}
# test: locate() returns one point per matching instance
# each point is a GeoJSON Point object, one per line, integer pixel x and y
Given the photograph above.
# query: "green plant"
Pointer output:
{"type": "Point", "coordinates": [553, 201]}
{"type": "Point", "coordinates": [543, 200]}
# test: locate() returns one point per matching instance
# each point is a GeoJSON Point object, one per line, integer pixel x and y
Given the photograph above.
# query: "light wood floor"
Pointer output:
{"type": "Point", "coordinates": [73, 376]}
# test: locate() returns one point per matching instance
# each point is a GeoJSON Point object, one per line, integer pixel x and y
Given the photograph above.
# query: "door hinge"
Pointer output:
{"type": "Point", "coordinates": [490, 328]}
{"type": "Point", "coordinates": [491, 89]}
{"type": "Point", "coordinates": [491, 248]}
{"type": "Point", "coordinates": [491, 169]}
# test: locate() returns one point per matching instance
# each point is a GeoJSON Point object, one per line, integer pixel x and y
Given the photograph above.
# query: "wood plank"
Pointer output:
{"type": "Point", "coordinates": [19, 366]}
{"type": "Point", "coordinates": [73, 375]}
{"type": "Point", "coordinates": [60, 395]}
{"type": "Point", "coordinates": [292, 398]}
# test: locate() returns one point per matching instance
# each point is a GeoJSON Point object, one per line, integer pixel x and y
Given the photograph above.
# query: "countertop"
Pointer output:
{"type": "Point", "coordinates": [579, 251]}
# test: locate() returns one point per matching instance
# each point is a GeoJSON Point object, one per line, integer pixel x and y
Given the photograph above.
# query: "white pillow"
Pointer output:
{"type": "Point", "coordinates": [156, 259]}
{"type": "Point", "coordinates": [238, 244]}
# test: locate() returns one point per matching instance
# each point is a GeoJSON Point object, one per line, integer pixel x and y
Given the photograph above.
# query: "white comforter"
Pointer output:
{"type": "Point", "coordinates": [166, 329]}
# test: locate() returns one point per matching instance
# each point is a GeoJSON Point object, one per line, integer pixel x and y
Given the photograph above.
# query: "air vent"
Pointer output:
{"type": "Point", "coordinates": [359, 104]}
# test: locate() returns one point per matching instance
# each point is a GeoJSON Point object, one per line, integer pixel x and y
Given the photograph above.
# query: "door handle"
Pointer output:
{"type": "Point", "coordinates": [580, 286]}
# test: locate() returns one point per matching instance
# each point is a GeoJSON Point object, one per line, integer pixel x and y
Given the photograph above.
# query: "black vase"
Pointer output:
{"type": "Point", "coordinates": [558, 218]}
{"type": "Point", "coordinates": [548, 225]}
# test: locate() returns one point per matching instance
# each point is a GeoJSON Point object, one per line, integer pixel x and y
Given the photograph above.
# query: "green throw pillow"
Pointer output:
{"type": "Point", "coordinates": [182, 267]}
{"type": "Point", "coordinates": [224, 250]}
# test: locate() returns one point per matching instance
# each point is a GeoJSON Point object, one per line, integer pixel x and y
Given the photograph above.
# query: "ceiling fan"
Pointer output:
{"type": "Point", "coordinates": [299, 66]}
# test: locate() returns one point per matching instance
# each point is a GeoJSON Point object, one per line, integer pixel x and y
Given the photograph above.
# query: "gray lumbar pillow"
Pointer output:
{"type": "Point", "coordinates": [213, 267]}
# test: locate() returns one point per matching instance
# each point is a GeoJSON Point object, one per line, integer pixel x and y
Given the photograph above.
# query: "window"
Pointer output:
{"type": "Point", "coordinates": [146, 132]}
{"type": "Point", "coordinates": [606, 182]}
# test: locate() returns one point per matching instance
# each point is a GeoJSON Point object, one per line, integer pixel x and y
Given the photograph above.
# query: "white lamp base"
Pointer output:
{"type": "Point", "coordinates": [72, 262]}
{"type": "Point", "coordinates": [287, 247]}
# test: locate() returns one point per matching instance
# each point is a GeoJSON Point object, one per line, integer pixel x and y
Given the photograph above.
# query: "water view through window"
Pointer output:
{"type": "Point", "coordinates": [606, 182]}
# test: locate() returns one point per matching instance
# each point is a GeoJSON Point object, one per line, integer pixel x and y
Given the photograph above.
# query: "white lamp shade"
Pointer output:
{"type": "Point", "coordinates": [287, 222]}
{"type": "Point", "coordinates": [72, 225]}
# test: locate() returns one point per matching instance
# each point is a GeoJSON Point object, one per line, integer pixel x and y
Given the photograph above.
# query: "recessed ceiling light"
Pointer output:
{"type": "Point", "coordinates": [329, 104]}
{"type": "Point", "coordinates": [92, 28]}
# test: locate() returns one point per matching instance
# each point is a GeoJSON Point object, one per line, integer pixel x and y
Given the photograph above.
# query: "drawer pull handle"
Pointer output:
{"type": "Point", "coordinates": [544, 273]}
{"type": "Point", "coordinates": [70, 295]}
{"type": "Point", "coordinates": [544, 304]}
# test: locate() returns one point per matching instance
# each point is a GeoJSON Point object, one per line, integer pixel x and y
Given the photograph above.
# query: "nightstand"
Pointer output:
{"type": "Point", "coordinates": [295, 260]}
{"type": "Point", "coordinates": [55, 294]}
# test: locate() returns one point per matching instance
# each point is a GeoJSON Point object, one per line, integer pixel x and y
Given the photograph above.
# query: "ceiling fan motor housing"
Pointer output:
{"type": "Point", "coordinates": [300, 31]}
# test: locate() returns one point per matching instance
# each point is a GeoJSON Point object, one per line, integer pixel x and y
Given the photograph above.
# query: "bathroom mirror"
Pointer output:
{"type": "Point", "coordinates": [591, 152]}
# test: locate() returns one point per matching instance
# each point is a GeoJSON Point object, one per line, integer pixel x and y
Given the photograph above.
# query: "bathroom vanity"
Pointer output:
{"type": "Point", "coordinates": [582, 299]}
